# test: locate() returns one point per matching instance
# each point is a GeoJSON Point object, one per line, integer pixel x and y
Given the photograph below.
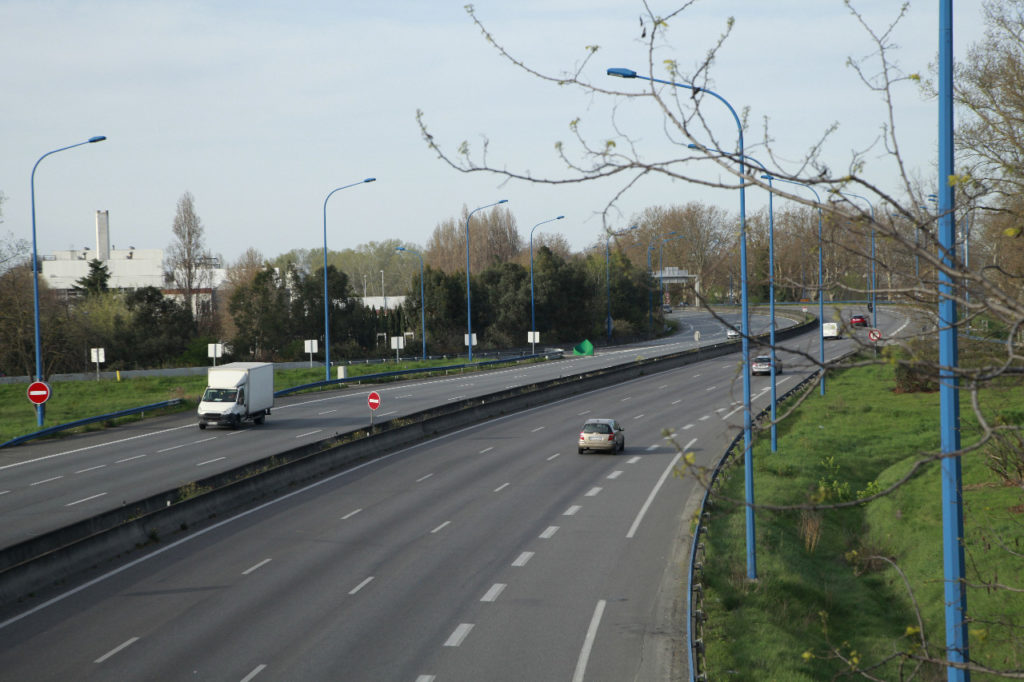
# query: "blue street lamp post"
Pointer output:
{"type": "Point", "coordinates": [954, 575]}
{"type": "Point", "coordinates": [821, 286]}
{"type": "Point", "coordinates": [771, 290]}
{"type": "Point", "coordinates": [747, 454]}
{"type": "Point", "coordinates": [608, 276]}
{"type": "Point", "coordinates": [327, 315]}
{"type": "Point", "coordinates": [533, 315]}
{"type": "Point", "coordinates": [469, 309]}
{"type": "Point", "coordinates": [40, 409]}
{"type": "Point", "coordinates": [423, 301]}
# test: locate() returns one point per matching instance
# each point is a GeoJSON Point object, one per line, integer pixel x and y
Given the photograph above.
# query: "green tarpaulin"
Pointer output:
{"type": "Point", "coordinates": [585, 348]}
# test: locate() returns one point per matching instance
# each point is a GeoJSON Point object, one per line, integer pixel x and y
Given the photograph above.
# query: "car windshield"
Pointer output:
{"type": "Point", "coordinates": [220, 395]}
{"type": "Point", "coordinates": [762, 358]}
{"type": "Point", "coordinates": [596, 428]}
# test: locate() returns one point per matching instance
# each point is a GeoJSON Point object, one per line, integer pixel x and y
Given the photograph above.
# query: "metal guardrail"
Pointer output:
{"type": "Point", "coordinates": [89, 420]}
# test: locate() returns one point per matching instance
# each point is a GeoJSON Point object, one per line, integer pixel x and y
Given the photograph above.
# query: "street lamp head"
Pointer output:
{"type": "Point", "coordinates": [399, 248]}
{"type": "Point", "coordinates": [622, 73]}
{"type": "Point", "coordinates": [370, 180]}
{"type": "Point", "coordinates": [503, 201]}
{"type": "Point", "coordinates": [559, 217]}
{"type": "Point", "coordinates": [98, 138]}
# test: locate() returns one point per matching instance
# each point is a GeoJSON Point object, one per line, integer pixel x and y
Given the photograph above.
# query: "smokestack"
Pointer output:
{"type": "Point", "coordinates": [103, 235]}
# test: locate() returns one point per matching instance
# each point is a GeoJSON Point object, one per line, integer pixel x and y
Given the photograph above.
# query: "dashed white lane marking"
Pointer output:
{"type": "Point", "coordinates": [711, 388]}
{"type": "Point", "coordinates": [128, 459]}
{"type": "Point", "coordinates": [501, 487]}
{"type": "Point", "coordinates": [351, 514]}
{"type": "Point", "coordinates": [4, 492]}
{"type": "Point", "coordinates": [652, 448]}
{"type": "Point", "coordinates": [688, 426]}
{"type": "Point", "coordinates": [117, 649]}
{"type": "Point", "coordinates": [639, 416]}
{"type": "Point", "coordinates": [704, 418]}
{"type": "Point", "coordinates": [325, 412]}
{"type": "Point", "coordinates": [256, 567]}
{"type": "Point", "coordinates": [548, 532]}
{"type": "Point", "coordinates": [86, 499]}
{"type": "Point", "coordinates": [426, 678]}
{"type": "Point", "coordinates": [441, 527]}
{"type": "Point", "coordinates": [46, 480]}
{"type": "Point", "coordinates": [423, 478]}
{"type": "Point", "coordinates": [571, 511]}
{"type": "Point", "coordinates": [580, 414]}
{"type": "Point", "coordinates": [493, 593]}
{"type": "Point", "coordinates": [615, 474]}
{"type": "Point", "coordinates": [592, 492]}
{"type": "Point", "coordinates": [634, 459]}
{"type": "Point", "coordinates": [308, 433]}
{"type": "Point", "coordinates": [539, 428]}
{"type": "Point", "coordinates": [173, 447]}
{"type": "Point", "coordinates": [729, 414]}
{"type": "Point", "coordinates": [486, 450]}
{"type": "Point", "coordinates": [720, 410]}
{"type": "Point", "coordinates": [459, 634]}
{"type": "Point", "coordinates": [676, 402]}
{"type": "Point", "coordinates": [654, 491]}
{"type": "Point", "coordinates": [98, 466]}
{"type": "Point", "coordinates": [662, 386]}
{"type": "Point", "coordinates": [553, 456]}
{"type": "Point", "coordinates": [255, 671]}
{"type": "Point", "coordinates": [388, 414]}
{"type": "Point", "coordinates": [628, 397]}
{"type": "Point", "coordinates": [588, 643]}
{"type": "Point", "coordinates": [522, 559]}
{"type": "Point", "coordinates": [210, 461]}
{"type": "Point", "coordinates": [361, 585]}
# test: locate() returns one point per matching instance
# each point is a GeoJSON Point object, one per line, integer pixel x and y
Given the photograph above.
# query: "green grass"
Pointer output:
{"type": "Point", "coordinates": [819, 597]}
{"type": "Point", "coordinates": [73, 400]}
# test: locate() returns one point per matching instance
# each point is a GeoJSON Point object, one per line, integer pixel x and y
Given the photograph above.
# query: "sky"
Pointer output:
{"type": "Point", "coordinates": [260, 109]}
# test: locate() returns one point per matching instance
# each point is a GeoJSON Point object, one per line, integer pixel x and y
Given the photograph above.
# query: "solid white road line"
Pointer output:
{"type": "Point", "coordinates": [548, 532]}
{"type": "Point", "coordinates": [522, 559]}
{"type": "Point", "coordinates": [650, 498]}
{"type": "Point", "coordinates": [92, 497]}
{"type": "Point", "coordinates": [459, 634]}
{"type": "Point", "coordinates": [256, 567]}
{"type": "Point", "coordinates": [255, 671]}
{"type": "Point", "coordinates": [210, 461]}
{"type": "Point", "coordinates": [690, 444]}
{"type": "Point", "coordinates": [308, 433]}
{"type": "Point", "coordinates": [493, 593]}
{"type": "Point", "coordinates": [361, 585]}
{"type": "Point", "coordinates": [117, 649]}
{"type": "Point", "coordinates": [588, 642]}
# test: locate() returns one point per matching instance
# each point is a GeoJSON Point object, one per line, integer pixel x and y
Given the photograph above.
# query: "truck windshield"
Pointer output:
{"type": "Point", "coordinates": [220, 395]}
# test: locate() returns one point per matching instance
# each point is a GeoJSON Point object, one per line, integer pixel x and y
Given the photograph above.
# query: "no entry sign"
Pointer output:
{"type": "Point", "coordinates": [373, 400]}
{"type": "Point", "coordinates": [38, 392]}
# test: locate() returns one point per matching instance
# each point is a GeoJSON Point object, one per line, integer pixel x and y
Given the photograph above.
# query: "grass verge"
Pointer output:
{"type": "Point", "coordinates": [829, 600]}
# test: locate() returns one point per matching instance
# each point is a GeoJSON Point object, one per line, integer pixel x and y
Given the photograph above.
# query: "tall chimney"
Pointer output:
{"type": "Point", "coordinates": [103, 235]}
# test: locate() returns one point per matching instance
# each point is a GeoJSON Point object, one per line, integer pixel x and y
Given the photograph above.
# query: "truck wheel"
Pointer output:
{"type": "Point", "coordinates": [259, 419]}
{"type": "Point", "coordinates": [202, 425]}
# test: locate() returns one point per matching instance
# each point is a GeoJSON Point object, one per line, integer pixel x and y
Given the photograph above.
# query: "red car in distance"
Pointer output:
{"type": "Point", "coordinates": [859, 321]}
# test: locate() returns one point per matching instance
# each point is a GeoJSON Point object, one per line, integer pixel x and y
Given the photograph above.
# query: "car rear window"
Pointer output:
{"type": "Point", "coordinates": [596, 428]}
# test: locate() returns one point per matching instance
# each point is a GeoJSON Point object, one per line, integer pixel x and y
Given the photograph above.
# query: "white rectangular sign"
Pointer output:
{"type": "Point", "coordinates": [311, 345]}
{"type": "Point", "coordinates": [465, 339]}
{"type": "Point", "coordinates": [532, 337]}
{"type": "Point", "coordinates": [97, 354]}
{"type": "Point", "coordinates": [397, 342]}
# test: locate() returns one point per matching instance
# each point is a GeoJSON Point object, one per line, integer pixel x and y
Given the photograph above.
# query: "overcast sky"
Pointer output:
{"type": "Point", "coordinates": [261, 108]}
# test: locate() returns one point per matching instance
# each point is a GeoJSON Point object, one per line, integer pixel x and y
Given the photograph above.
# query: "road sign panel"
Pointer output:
{"type": "Point", "coordinates": [875, 334]}
{"type": "Point", "coordinates": [373, 400]}
{"type": "Point", "coordinates": [38, 392]}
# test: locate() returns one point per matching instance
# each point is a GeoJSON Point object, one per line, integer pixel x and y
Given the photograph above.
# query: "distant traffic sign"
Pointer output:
{"type": "Point", "coordinates": [373, 400]}
{"type": "Point", "coordinates": [38, 392]}
{"type": "Point", "coordinates": [875, 334]}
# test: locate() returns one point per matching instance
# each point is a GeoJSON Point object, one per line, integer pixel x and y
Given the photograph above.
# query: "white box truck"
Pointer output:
{"type": "Point", "coordinates": [236, 392]}
{"type": "Point", "coordinates": [830, 330]}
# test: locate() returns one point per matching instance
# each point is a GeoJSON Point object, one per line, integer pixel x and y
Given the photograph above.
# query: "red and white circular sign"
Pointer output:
{"type": "Point", "coordinates": [38, 392]}
{"type": "Point", "coordinates": [373, 400]}
{"type": "Point", "coordinates": [875, 334]}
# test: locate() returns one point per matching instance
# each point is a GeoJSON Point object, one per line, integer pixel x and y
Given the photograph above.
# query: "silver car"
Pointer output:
{"type": "Point", "coordinates": [762, 364]}
{"type": "Point", "coordinates": [602, 434]}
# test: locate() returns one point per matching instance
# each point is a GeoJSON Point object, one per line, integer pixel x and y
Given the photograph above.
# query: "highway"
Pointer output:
{"type": "Point", "coordinates": [50, 484]}
{"type": "Point", "coordinates": [495, 553]}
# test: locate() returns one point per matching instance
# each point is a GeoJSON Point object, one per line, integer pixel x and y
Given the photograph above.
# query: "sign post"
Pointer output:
{"type": "Point", "coordinates": [97, 355]}
{"type": "Point", "coordinates": [373, 401]}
